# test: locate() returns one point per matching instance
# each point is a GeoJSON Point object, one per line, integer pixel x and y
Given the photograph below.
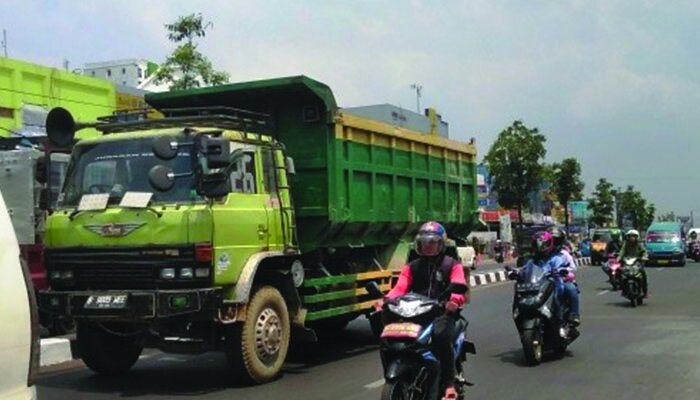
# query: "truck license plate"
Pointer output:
{"type": "Point", "coordinates": [110, 302]}
{"type": "Point", "coordinates": [663, 261]}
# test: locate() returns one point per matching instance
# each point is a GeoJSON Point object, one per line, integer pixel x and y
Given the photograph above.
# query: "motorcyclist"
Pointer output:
{"type": "Point", "coordinates": [564, 265]}
{"type": "Point", "coordinates": [633, 249]}
{"type": "Point", "coordinates": [430, 275]}
{"type": "Point", "coordinates": [612, 249]}
{"type": "Point", "coordinates": [498, 250]}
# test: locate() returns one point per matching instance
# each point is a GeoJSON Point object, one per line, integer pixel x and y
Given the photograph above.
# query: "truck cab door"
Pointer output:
{"type": "Point", "coordinates": [241, 226]}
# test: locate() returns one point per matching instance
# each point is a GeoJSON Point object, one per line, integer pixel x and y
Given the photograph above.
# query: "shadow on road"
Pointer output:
{"type": "Point", "coordinates": [517, 358]}
{"type": "Point", "coordinates": [179, 375]}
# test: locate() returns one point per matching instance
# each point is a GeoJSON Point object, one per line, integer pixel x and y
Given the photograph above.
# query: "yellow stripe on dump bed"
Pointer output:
{"type": "Point", "coordinates": [363, 130]}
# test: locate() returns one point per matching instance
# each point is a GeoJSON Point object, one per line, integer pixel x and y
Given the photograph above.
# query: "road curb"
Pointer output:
{"type": "Point", "coordinates": [55, 351]}
{"type": "Point", "coordinates": [487, 278]}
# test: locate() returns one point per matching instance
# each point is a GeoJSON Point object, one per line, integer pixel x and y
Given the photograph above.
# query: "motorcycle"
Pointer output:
{"type": "Point", "coordinates": [411, 369]}
{"type": "Point", "coordinates": [613, 269]}
{"type": "Point", "coordinates": [539, 315]}
{"type": "Point", "coordinates": [631, 281]}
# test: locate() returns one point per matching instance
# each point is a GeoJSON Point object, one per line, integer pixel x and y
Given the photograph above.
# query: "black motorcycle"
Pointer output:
{"type": "Point", "coordinates": [540, 318]}
{"type": "Point", "coordinates": [411, 369]}
{"type": "Point", "coordinates": [631, 281]}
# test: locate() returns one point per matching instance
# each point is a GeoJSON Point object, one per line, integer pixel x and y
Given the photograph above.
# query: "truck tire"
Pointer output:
{"type": "Point", "coordinates": [258, 346]}
{"type": "Point", "coordinates": [106, 353]}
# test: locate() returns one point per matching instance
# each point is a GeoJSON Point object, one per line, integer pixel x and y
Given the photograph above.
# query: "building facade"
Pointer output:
{"type": "Point", "coordinates": [398, 116]}
{"type": "Point", "coordinates": [130, 72]}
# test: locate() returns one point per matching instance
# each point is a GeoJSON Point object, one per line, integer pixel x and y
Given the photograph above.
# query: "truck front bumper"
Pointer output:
{"type": "Point", "coordinates": [140, 304]}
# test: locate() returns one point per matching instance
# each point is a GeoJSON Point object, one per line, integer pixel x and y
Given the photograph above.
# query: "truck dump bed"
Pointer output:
{"type": "Point", "coordinates": [359, 182]}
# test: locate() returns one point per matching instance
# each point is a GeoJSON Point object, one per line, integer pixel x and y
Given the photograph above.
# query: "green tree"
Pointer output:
{"type": "Point", "coordinates": [186, 67]}
{"type": "Point", "coordinates": [515, 163]}
{"type": "Point", "coordinates": [602, 204]}
{"type": "Point", "coordinates": [567, 184]}
{"type": "Point", "coordinates": [635, 209]}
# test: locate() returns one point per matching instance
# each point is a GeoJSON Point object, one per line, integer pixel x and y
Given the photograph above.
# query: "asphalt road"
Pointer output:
{"type": "Point", "coordinates": [650, 352]}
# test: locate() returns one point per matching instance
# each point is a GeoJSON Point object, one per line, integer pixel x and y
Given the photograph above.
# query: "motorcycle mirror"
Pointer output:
{"type": "Point", "coordinates": [374, 290]}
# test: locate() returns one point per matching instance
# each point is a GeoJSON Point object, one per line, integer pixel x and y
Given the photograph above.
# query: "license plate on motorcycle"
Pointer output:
{"type": "Point", "coordinates": [402, 330]}
{"type": "Point", "coordinates": [106, 302]}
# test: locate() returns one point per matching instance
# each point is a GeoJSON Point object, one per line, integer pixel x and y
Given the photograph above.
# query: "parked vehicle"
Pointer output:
{"type": "Point", "coordinates": [215, 229]}
{"type": "Point", "coordinates": [665, 244]}
{"type": "Point", "coordinates": [24, 174]}
{"type": "Point", "coordinates": [631, 281]}
{"type": "Point", "coordinates": [18, 317]}
{"type": "Point", "coordinates": [411, 369]}
{"type": "Point", "coordinates": [539, 317]}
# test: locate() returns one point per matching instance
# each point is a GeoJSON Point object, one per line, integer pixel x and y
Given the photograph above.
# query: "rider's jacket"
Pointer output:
{"type": "Point", "coordinates": [430, 277]}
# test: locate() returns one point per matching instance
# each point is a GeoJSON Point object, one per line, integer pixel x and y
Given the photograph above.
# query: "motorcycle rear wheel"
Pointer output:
{"type": "Point", "coordinates": [532, 346]}
{"type": "Point", "coordinates": [396, 390]}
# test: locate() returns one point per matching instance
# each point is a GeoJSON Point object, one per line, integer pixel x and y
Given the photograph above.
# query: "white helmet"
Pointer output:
{"type": "Point", "coordinates": [632, 232]}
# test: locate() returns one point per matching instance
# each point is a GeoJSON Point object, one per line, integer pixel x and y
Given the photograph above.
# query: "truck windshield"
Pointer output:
{"type": "Point", "coordinates": [663, 237]}
{"type": "Point", "coordinates": [122, 166]}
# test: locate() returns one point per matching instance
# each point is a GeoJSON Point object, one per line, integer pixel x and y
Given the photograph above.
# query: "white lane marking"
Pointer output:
{"type": "Point", "coordinates": [603, 292]}
{"type": "Point", "coordinates": [375, 385]}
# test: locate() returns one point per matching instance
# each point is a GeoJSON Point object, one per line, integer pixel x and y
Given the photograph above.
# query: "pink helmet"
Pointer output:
{"type": "Point", "coordinates": [543, 243]}
{"type": "Point", "coordinates": [430, 240]}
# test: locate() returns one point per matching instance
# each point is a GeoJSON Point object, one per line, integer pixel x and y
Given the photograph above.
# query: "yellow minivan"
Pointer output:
{"type": "Point", "coordinates": [19, 342]}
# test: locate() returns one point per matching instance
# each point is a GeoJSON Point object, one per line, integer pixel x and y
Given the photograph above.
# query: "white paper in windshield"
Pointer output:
{"type": "Point", "coordinates": [136, 200]}
{"type": "Point", "coordinates": [93, 202]}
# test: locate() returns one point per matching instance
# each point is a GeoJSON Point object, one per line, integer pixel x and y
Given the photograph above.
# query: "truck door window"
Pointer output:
{"type": "Point", "coordinates": [269, 172]}
{"type": "Point", "coordinates": [243, 174]}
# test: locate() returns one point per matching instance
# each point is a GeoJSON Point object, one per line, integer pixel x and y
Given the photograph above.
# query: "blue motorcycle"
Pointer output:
{"type": "Point", "coordinates": [411, 369]}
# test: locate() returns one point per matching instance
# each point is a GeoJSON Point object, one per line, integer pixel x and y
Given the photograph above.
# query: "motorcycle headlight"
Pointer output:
{"type": "Point", "coordinates": [409, 309]}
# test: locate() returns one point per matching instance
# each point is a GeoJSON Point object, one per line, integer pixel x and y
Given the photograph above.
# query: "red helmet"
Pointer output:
{"type": "Point", "coordinates": [543, 243]}
{"type": "Point", "coordinates": [430, 240]}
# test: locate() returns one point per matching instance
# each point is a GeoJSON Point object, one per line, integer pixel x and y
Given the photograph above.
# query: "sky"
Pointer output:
{"type": "Point", "coordinates": [615, 84]}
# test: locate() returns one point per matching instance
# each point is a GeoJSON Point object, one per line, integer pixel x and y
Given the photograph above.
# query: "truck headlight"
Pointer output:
{"type": "Point", "coordinates": [67, 275]}
{"type": "Point", "coordinates": [167, 273]}
{"type": "Point", "coordinates": [55, 275]}
{"type": "Point", "coordinates": [201, 272]}
{"type": "Point", "coordinates": [186, 273]}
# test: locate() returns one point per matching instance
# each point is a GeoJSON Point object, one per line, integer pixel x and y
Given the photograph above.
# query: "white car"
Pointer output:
{"type": "Point", "coordinates": [19, 343]}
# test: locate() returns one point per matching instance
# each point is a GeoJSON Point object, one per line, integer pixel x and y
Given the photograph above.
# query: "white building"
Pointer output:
{"type": "Point", "coordinates": [132, 72]}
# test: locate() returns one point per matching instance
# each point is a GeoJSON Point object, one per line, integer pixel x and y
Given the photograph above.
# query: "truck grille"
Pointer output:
{"type": "Point", "coordinates": [123, 268]}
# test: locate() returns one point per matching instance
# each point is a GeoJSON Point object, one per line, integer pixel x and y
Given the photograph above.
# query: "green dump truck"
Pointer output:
{"type": "Point", "coordinates": [252, 213]}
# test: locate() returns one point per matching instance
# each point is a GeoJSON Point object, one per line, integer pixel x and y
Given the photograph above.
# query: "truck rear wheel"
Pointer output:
{"type": "Point", "coordinates": [104, 352]}
{"type": "Point", "coordinates": [258, 347]}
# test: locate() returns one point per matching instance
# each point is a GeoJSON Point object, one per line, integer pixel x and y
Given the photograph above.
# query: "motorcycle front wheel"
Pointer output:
{"type": "Point", "coordinates": [396, 390]}
{"type": "Point", "coordinates": [532, 346]}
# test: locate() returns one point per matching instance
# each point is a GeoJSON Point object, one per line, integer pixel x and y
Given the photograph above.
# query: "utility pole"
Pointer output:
{"type": "Point", "coordinates": [4, 41]}
{"type": "Point", "coordinates": [419, 92]}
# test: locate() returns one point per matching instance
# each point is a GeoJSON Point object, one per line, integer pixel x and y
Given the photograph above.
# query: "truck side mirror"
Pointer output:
{"type": "Point", "coordinates": [291, 170]}
{"type": "Point", "coordinates": [165, 147]}
{"type": "Point", "coordinates": [217, 151]}
{"type": "Point", "coordinates": [161, 177]}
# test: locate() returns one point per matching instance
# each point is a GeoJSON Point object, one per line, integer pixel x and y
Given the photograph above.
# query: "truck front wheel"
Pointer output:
{"type": "Point", "coordinates": [104, 352]}
{"type": "Point", "coordinates": [258, 347]}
